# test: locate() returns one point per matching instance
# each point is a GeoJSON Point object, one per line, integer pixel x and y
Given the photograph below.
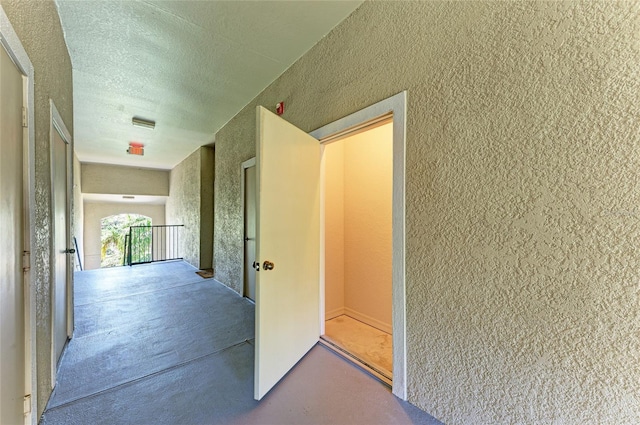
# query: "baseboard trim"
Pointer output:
{"type": "Point", "coordinates": [384, 327]}
{"type": "Point", "coordinates": [334, 313]}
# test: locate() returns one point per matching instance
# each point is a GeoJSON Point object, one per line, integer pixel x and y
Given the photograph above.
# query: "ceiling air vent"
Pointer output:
{"type": "Point", "coordinates": [135, 148]}
{"type": "Point", "coordinates": [141, 122]}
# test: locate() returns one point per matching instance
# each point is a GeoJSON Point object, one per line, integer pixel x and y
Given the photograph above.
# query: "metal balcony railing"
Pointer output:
{"type": "Point", "coordinates": [148, 244]}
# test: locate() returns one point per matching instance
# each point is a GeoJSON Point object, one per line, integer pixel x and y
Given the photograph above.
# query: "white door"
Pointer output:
{"type": "Point", "coordinates": [61, 243]}
{"type": "Point", "coordinates": [249, 230]}
{"type": "Point", "coordinates": [12, 327]}
{"type": "Point", "coordinates": [288, 248]}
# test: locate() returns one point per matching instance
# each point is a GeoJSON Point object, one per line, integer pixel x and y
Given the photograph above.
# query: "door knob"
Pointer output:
{"type": "Point", "coordinates": [267, 265]}
{"type": "Point", "coordinates": [69, 251]}
{"type": "Point", "coordinates": [256, 265]}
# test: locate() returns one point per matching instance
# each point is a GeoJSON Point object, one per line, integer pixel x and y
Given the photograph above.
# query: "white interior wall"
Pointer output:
{"type": "Point", "coordinates": [94, 212]}
{"type": "Point", "coordinates": [358, 207]}
{"type": "Point", "coordinates": [334, 229]}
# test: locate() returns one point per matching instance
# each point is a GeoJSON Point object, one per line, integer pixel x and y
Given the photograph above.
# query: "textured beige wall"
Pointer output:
{"type": "Point", "coordinates": [368, 160]}
{"type": "Point", "coordinates": [522, 197]}
{"type": "Point", "coordinates": [190, 203]}
{"type": "Point", "coordinates": [39, 30]}
{"type": "Point", "coordinates": [78, 211]}
{"type": "Point", "coordinates": [94, 212]}
{"type": "Point", "coordinates": [123, 180]}
{"type": "Point", "coordinates": [333, 157]}
{"type": "Point", "coordinates": [183, 206]}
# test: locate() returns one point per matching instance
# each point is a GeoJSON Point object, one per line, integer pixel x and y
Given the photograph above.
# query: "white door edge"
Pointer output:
{"type": "Point", "coordinates": [397, 106]}
{"type": "Point", "coordinates": [12, 44]}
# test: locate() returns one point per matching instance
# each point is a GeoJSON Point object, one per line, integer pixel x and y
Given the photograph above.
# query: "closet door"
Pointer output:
{"type": "Point", "coordinates": [288, 248]}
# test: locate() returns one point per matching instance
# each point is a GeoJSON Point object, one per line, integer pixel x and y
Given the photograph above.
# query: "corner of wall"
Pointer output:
{"type": "Point", "coordinates": [184, 205]}
{"type": "Point", "coordinates": [207, 172]}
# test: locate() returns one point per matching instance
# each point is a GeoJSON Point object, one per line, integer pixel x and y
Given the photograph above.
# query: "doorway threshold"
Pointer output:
{"type": "Point", "coordinates": [367, 367]}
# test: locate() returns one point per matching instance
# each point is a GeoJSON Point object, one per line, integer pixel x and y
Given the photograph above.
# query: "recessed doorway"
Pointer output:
{"type": "Point", "coordinates": [390, 112]}
{"type": "Point", "coordinates": [62, 324]}
{"type": "Point", "coordinates": [358, 183]}
{"type": "Point", "coordinates": [290, 238]}
{"type": "Point", "coordinates": [248, 190]}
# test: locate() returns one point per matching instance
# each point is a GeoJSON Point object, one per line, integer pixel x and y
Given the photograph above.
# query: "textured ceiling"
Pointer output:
{"type": "Point", "coordinates": [188, 65]}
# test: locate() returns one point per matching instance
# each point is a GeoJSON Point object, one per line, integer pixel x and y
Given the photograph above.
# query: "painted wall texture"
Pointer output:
{"type": "Point", "coordinates": [367, 235]}
{"type": "Point", "coordinates": [522, 196]}
{"type": "Point", "coordinates": [39, 30]}
{"type": "Point", "coordinates": [190, 203]}
{"type": "Point", "coordinates": [94, 212]}
{"type": "Point", "coordinates": [333, 160]}
{"type": "Point", "coordinates": [123, 180]}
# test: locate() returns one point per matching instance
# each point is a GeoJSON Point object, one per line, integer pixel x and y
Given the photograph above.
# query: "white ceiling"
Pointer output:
{"type": "Point", "coordinates": [188, 65]}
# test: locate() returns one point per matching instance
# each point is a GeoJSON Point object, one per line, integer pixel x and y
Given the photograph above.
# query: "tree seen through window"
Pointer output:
{"type": "Point", "coordinates": [113, 231]}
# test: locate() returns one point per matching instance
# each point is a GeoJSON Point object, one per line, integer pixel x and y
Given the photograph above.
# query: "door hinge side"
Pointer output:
{"type": "Point", "coordinates": [25, 117]}
{"type": "Point", "coordinates": [26, 261]}
{"type": "Point", "coordinates": [27, 404]}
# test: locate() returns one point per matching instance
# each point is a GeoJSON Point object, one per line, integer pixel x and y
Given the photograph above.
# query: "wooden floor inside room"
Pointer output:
{"type": "Point", "coordinates": [370, 347]}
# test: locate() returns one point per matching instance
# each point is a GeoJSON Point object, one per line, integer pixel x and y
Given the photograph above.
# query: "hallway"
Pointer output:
{"type": "Point", "coordinates": [158, 344]}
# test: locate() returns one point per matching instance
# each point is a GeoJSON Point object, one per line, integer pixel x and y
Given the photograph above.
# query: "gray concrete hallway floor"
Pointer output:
{"type": "Point", "coordinates": [158, 344]}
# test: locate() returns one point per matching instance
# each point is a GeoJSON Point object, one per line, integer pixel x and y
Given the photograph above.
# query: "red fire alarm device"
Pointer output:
{"type": "Point", "coordinates": [280, 108]}
{"type": "Point", "coordinates": [135, 148]}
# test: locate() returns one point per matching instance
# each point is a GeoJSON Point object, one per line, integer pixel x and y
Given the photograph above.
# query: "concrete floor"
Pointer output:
{"type": "Point", "coordinates": [158, 344]}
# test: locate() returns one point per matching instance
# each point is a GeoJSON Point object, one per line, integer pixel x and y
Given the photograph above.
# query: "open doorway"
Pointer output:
{"type": "Point", "coordinates": [290, 238]}
{"type": "Point", "coordinates": [392, 113]}
{"type": "Point", "coordinates": [113, 231]}
{"type": "Point", "coordinates": [358, 181]}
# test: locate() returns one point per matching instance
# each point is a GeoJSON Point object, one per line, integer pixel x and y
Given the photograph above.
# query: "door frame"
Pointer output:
{"type": "Point", "coordinates": [58, 125]}
{"type": "Point", "coordinates": [11, 43]}
{"type": "Point", "coordinates": [395, 107]}
{"type": "Point", "coordinates": [246, 164]}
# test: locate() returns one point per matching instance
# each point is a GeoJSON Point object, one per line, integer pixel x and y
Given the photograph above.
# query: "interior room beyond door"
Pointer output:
{"type": "Point", "coordinates": [288, 296]}
{"type": "Point", "coordinates": [358, 182]}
